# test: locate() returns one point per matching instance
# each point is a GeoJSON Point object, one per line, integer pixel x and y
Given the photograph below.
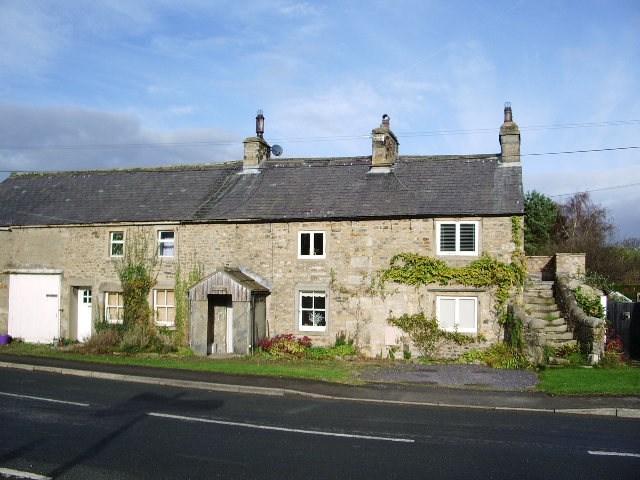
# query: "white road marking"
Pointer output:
{"type": "Point", "coordinates": [45, 399]}
{"type": "Point", "coordinates": [17, 473]}
{"type": "Point", "coordinates": [615, 454]}
{"type": "Point", "coordinates": [280, 429]}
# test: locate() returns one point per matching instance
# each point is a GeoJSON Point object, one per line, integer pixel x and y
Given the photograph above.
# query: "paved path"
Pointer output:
{"type": "Point", "coordinates": [461, 376]}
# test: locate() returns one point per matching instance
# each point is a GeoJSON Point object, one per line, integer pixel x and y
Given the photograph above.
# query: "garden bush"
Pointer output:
{"type": "Point", "coordinates": [614, 353]}
{"type": "Point", "coordinates": [101, 342]}
{"type": "Point", "coordinates": [503, 355]}
{"type": "Point", "coordinates": [285, 345]}
{"type": "Point", "coordinates": [589, 302]}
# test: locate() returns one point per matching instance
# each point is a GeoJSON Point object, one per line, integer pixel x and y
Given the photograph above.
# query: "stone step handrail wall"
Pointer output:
{"type": "Point", "coordinates": [589, 331]}
{"type": "Point", "coordinates": [532, 332]}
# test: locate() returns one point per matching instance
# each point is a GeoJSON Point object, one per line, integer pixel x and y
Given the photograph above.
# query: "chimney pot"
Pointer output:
{"type": "Point", "coordinates": [508, 115]}
{"type": "Point", "coordinates": [260, 124]}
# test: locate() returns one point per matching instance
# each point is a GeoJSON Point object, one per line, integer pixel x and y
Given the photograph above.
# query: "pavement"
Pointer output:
{"type": "Point", "coordinates": [385, 391]}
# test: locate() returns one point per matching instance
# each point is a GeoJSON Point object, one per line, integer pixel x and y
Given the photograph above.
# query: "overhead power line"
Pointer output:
{"type": "Point", "coordinates": [579, 151]}
{"type": "Point", "coordinates": [596, 190]}
{"type": "Point", "coordinates": [316, 139]}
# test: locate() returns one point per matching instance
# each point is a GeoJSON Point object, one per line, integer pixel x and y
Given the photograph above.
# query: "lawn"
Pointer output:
{"type": "Point", "coordinates": [580, 380]}
{"type": "Point", "coordinates": [325, 370]}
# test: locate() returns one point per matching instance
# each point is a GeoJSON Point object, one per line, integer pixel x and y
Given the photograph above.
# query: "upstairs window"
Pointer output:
{"type": "Point", "coordinates": [116, 244]}
{"type": "Point", "coordinates": [166, 243]}
{"type": "Point", "coordinates": [311, 245]}
{"type": "Point", "coordinates": [457, 238]}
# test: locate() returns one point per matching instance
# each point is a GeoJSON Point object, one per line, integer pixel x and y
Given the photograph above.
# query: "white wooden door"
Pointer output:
{"type": "Point", "coordinates": [84, 314]}
{"type": "Point", "coordinates": [34, 307]}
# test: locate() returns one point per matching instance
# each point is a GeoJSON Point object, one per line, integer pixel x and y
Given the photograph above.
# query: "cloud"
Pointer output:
{"type": "Point", "coordinates": [298, 9]}
{"type": "Point", "coordinates": [30, 38]}
{"type": "Point", "coordinates": [60, 138]}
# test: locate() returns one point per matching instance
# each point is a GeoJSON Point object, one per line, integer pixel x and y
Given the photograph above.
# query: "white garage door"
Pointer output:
{"type": "Point", "coordinates": [34, 307]}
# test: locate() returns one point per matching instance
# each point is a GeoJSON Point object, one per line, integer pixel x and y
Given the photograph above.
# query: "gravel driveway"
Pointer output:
{"type": "Point", "coordinates": [462, 376]}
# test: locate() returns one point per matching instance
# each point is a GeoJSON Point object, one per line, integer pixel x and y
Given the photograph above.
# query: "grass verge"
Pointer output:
{"type": "Point", "coordinates": [603, 381]}
{"type": "Point", "coordinates": [325, 370]}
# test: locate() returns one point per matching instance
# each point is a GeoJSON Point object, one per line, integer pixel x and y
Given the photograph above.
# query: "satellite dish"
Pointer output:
{"type": "Point", "coordinates": [276, 150]}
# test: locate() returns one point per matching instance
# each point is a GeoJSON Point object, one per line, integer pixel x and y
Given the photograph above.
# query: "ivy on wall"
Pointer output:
{"type": "Point", "coordinates": [182, 285]}
{"type": "Point", "coordinates": [414, 269]}
{"type": "Point", "coordinates": [137, 270]}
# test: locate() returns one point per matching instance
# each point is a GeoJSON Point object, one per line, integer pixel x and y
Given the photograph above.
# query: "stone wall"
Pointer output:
{"type": "Point", "coordinates": [355, 252]}
{"type": "Point", "coordinates": [541, 267]}
{"type": "Point", "coordinates": [546, 267]}
{"type": "Point", "coordinates": [589, 331]}
{"type": "Point", "coordinates": [532, 334]}
{"type": "Point", "coordinates": [571, 264]}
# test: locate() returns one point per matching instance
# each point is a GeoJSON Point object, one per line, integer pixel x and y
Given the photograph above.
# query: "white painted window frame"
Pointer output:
{"type": "Point", "coordinates": [160, 303]}
{"type": "Point", "coordinates": [113, 242]}
{"type": "Point", "coordinates": [457, 223]}
{"type": "Point", "coordinates": [456, 323]}
{"type": "Point", "coordinates": [301, 310]}
{"type": "Point", "coordinates": [312, 244]}
{"type": "Point", "coordinates": [163, 243]}
{"type": "Point", "coordinates": [119, 305]}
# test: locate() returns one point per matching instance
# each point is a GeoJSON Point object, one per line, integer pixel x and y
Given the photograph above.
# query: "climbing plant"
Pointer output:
{"type": "Point", "coordinates": [137, 270]}
{"type": "Point", "coordinates": [366, 288]}
{"type": "Point", "coordinates": [424, 333]}
{"type": "Point", "coordinates": [182, 300]}
{"type": "Point", "coordinates": [414, 269]}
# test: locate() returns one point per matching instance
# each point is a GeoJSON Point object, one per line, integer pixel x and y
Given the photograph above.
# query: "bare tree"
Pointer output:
{"type": "Point", "coordinates": [583, 224]}
{"type": "Point", "coordinates": [586, 227]}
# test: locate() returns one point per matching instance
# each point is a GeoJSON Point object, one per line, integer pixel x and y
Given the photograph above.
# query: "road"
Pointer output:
{"type": "Point", "coordinates": [60, 426]}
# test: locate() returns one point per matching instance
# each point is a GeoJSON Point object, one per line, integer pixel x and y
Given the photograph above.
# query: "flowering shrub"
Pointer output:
{"type": "Point", "coordinates": [589, 302]}
{"type": "Point", "coordinates": [285, 344]}
{"type": "Point", "coordinates": [613, 351]}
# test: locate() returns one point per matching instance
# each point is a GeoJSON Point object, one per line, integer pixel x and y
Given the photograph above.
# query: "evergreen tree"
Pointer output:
{"type": "Point", "coordinates": [541, 216]}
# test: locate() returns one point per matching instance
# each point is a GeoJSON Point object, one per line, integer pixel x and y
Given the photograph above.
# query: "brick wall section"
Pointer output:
{"type": "Point", "coordinates": [355, 251]}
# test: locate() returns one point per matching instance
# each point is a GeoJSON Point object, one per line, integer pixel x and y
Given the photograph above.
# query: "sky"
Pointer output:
{"type": "Point", "coordinates": [135, 83]}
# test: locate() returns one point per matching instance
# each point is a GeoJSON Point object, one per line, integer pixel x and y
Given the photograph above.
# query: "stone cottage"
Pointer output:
{"type": "Point", "coordinates": [285, 245]}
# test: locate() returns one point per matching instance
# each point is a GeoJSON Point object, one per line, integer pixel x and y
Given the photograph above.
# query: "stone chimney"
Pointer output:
{"type": "Point", "coordinates": [385, 148]}
{"type": "Point", "coordinates": [509, 138]}
{"type": "Point", "coordinates": [256, 149]}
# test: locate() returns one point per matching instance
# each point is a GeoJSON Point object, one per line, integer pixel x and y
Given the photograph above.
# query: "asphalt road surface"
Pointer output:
{"type": "Point", "coordinates": [59, 426]}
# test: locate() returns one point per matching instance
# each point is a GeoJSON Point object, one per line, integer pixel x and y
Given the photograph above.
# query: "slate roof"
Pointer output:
{"type": "Point", "coordinates": [284, 190]}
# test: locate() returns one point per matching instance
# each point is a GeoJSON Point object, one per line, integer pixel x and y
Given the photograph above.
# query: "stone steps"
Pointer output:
{"type": "Point", "coordinates": [546, 293]}
{"type": "Point", "coordinates": [560, 343]}
{"type": "Point", "coordinates": [556, 328]}
{"type": "Point", "coordinates": [538, 306]}
{"type": "Point", "coordinates": [558, 335]}
{"type": "Point", "coordinates": [540, 302]}
{"type": "Point", "coordinates": [544, 315]}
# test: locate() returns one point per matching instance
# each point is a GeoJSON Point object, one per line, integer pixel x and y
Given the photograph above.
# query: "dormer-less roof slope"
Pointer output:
{"type": "Point", "coordinates": [283, 190]}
